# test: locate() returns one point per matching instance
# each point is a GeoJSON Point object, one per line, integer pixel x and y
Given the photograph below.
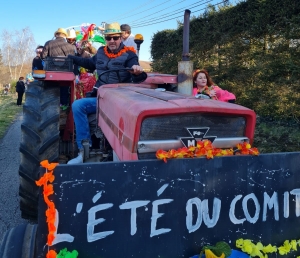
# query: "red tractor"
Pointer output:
{"type": "Point", "coordinates": [133, 122]}
{"type": "Point", "coordinates": [135, 205]}
{"type": "Point", "coordinates": [122, 201]}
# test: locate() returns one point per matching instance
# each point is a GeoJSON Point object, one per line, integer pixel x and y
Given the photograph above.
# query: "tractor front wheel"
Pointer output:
{"type": "Point", "coordinates": [19, 242]}
{"type": "Point", "coordinates": [39, 140]}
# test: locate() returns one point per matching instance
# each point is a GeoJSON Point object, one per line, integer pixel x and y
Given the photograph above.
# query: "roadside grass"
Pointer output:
{"type": "Point", "coordinates": [8, 111]}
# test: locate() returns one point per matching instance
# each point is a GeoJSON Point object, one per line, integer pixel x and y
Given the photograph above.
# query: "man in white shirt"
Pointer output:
{"type": "Point", "coordinates": [127, 36]}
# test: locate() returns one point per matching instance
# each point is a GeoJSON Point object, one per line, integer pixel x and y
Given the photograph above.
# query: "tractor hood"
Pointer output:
{"type": "Point", "coordinates": [124, 108]}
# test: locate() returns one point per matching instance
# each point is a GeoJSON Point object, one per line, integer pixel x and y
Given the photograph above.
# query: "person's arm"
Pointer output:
{"type": "Point", "coordinates": [45, 51]}
{"type": "Point", "coordinates": [88, 63]}
{"type": "Point", "coordinates": [224, 95]}
{"type": "Point", "coordinates": [131, 61]}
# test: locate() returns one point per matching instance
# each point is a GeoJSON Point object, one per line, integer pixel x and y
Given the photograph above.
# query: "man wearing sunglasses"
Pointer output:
{"type": "Point", "coordinates": [115, 55]}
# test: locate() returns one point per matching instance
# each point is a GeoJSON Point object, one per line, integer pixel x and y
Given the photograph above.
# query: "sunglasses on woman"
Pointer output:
{"type": "Point", "coordinates": [115, 38]}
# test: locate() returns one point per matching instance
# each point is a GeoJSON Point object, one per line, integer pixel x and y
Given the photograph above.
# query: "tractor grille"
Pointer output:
{"type": "Point", "coordinates": [172, 127]}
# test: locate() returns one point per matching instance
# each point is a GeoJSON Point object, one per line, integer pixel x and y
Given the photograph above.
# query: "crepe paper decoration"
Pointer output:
{"type": "Point", "coordinates": [205, 149]}
{"type": "Point", "coordinates": [245, 149]}
{"type": "Point", "coordinates": [220, 250]}
{"type": "Point", "coordinates": [206, 91]}
{"type": "Point", "coordinates": [88, 31]}
{"type": "Point", "coordinates": [45, 182]}
{"type": "Point", "coordinates": [86, 84]}
{"type": "Point", "coordinates": [258, 249]}
{"type": "Point", "coordinates": [64, 253]}
{"type": "Point", "coordinates": [99, 39]}
{"type": "Point", "coordinates": [124, 50]}
{"type": "Point", "coordinates": [51, 254]}
{"type": "Point", "coordinates": [210, 254]}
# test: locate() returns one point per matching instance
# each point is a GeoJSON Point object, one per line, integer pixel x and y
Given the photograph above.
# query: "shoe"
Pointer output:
{"type": "Point", "coordinates": [77, 160]}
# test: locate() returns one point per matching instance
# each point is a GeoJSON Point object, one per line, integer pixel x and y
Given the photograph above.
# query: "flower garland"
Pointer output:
{"type": "Point", "coordinates": [205, 148]}
{"type": "Point", "coordinates": [51, 211]}
{"type": "Point", "coordinates": [121, 52]}
{"type": "Point", "coordinates": [48, 190]}
{"type": "Point", "coordinates": [261, 251]}
{"type": "Point", "coordinates": [206, 91]}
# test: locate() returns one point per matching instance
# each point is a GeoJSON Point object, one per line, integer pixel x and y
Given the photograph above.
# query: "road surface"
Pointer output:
{"type": "Point", "coordinates": [10, 215]}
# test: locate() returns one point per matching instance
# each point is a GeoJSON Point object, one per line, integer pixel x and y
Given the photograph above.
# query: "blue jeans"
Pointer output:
{"type": "Point", "coordinates": [81, 108]}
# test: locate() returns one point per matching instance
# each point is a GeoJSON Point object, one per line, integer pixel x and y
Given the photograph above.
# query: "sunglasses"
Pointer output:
{"type": "Point", "coordinates": [115, 38]}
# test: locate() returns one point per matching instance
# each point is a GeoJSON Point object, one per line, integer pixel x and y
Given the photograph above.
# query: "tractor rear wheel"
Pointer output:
{"type": "Point", "coordinates": [39, 140]}
{"type": "Point", "coordinates": [19, 242]}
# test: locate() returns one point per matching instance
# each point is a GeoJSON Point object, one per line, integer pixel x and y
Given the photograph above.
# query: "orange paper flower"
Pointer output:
{"type": "Point", "coordinates": [205, 148]}
{"type": "Point", "coordinates": [51, 254]}
{"type": "Point", "coordinates": [160, 154]}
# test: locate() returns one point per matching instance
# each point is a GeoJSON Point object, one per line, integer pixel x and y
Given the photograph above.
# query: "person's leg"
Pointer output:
{"type": "Point", "coordinates": [64, 95]}
{"type": "Point", "coordinates": [19, 98]}
{"type": "Point", "coordinates": [81, 108]}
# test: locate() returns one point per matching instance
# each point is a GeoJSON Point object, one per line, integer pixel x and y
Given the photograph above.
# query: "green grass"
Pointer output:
{"type": "Point", "coordinates": [8, 112]}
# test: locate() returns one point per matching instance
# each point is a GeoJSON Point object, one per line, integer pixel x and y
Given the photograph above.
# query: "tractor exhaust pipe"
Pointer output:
{"type": "Point", "coordinates": [185, 67]}
{"type": "Point", "coordinates": [186, 36]}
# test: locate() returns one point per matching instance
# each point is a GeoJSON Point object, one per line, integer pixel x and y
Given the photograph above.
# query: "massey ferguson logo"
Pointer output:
{"type": "Point", "coordinates": [197, 134]}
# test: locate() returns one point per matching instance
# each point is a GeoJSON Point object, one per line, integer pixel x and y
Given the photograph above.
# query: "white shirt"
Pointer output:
{"type": "Point", "coordinates": [129, 42]}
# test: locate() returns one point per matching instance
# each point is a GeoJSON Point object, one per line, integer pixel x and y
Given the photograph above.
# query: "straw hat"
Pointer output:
{"type": "Point", "coordinates": [61, 30]}
{"type": "Point", "coordinates": [71, 34]}
{"type": "Point", "coordinates": [113, 28]}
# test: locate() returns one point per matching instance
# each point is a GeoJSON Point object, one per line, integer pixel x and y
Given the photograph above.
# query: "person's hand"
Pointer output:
{"type": "Point", "coordinates": [212, 93]}
{"type": "Point", "coordinates": [136, 70]}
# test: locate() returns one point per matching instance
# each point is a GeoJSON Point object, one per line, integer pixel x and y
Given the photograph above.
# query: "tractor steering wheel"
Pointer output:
{"type": "Point", "coordinates": [117, 71]}
{"type": "Point", "coordinates": [202, 96]}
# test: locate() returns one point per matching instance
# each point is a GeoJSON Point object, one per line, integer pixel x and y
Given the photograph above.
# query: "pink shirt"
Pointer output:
{"type": "Point", "coordinates": [222, 95]}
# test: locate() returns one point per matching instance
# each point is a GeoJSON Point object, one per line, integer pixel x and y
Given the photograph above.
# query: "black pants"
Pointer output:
{"type": "Point", "coordinates": [20, 96]}
{"type": "Point", "coordinates": [64, 95]}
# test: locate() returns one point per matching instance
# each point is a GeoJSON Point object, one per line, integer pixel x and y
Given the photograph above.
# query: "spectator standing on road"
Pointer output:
{"type": "Point", "coordinates": [59, 47]}
{"type": "Point", "coordinates": [37, 62]}
{"type": "Point", "coordinates": [127, 36]}
{"type": "Point", "coordinates": [20, 89]}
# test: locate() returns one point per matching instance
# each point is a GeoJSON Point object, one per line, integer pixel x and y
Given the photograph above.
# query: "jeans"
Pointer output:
{"type": "Point", "coordinates": [81, 108]}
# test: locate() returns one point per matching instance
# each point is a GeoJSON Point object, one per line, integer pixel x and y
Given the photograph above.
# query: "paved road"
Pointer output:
{"type": "Point", "coordinates": [10, 215]}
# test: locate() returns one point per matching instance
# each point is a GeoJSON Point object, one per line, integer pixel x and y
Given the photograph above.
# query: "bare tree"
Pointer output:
{"type": "Point", "coordinates": [17, 48]}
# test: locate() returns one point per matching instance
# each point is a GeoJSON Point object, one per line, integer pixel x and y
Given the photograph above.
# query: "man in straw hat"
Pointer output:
{"type": "Point", "coordinates": [71, 36]}
{"type": "Point", "coordinates": [58, 46]}
{"type": "Point", "coordinates": [115, 55]}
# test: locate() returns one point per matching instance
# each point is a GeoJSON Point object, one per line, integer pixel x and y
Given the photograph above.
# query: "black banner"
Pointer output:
{"type": "Point", "coordinates": [152, 209]}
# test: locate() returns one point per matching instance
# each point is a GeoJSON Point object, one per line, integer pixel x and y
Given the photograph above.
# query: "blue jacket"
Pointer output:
{"type": "Point", "coordinates": [102, 63]}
